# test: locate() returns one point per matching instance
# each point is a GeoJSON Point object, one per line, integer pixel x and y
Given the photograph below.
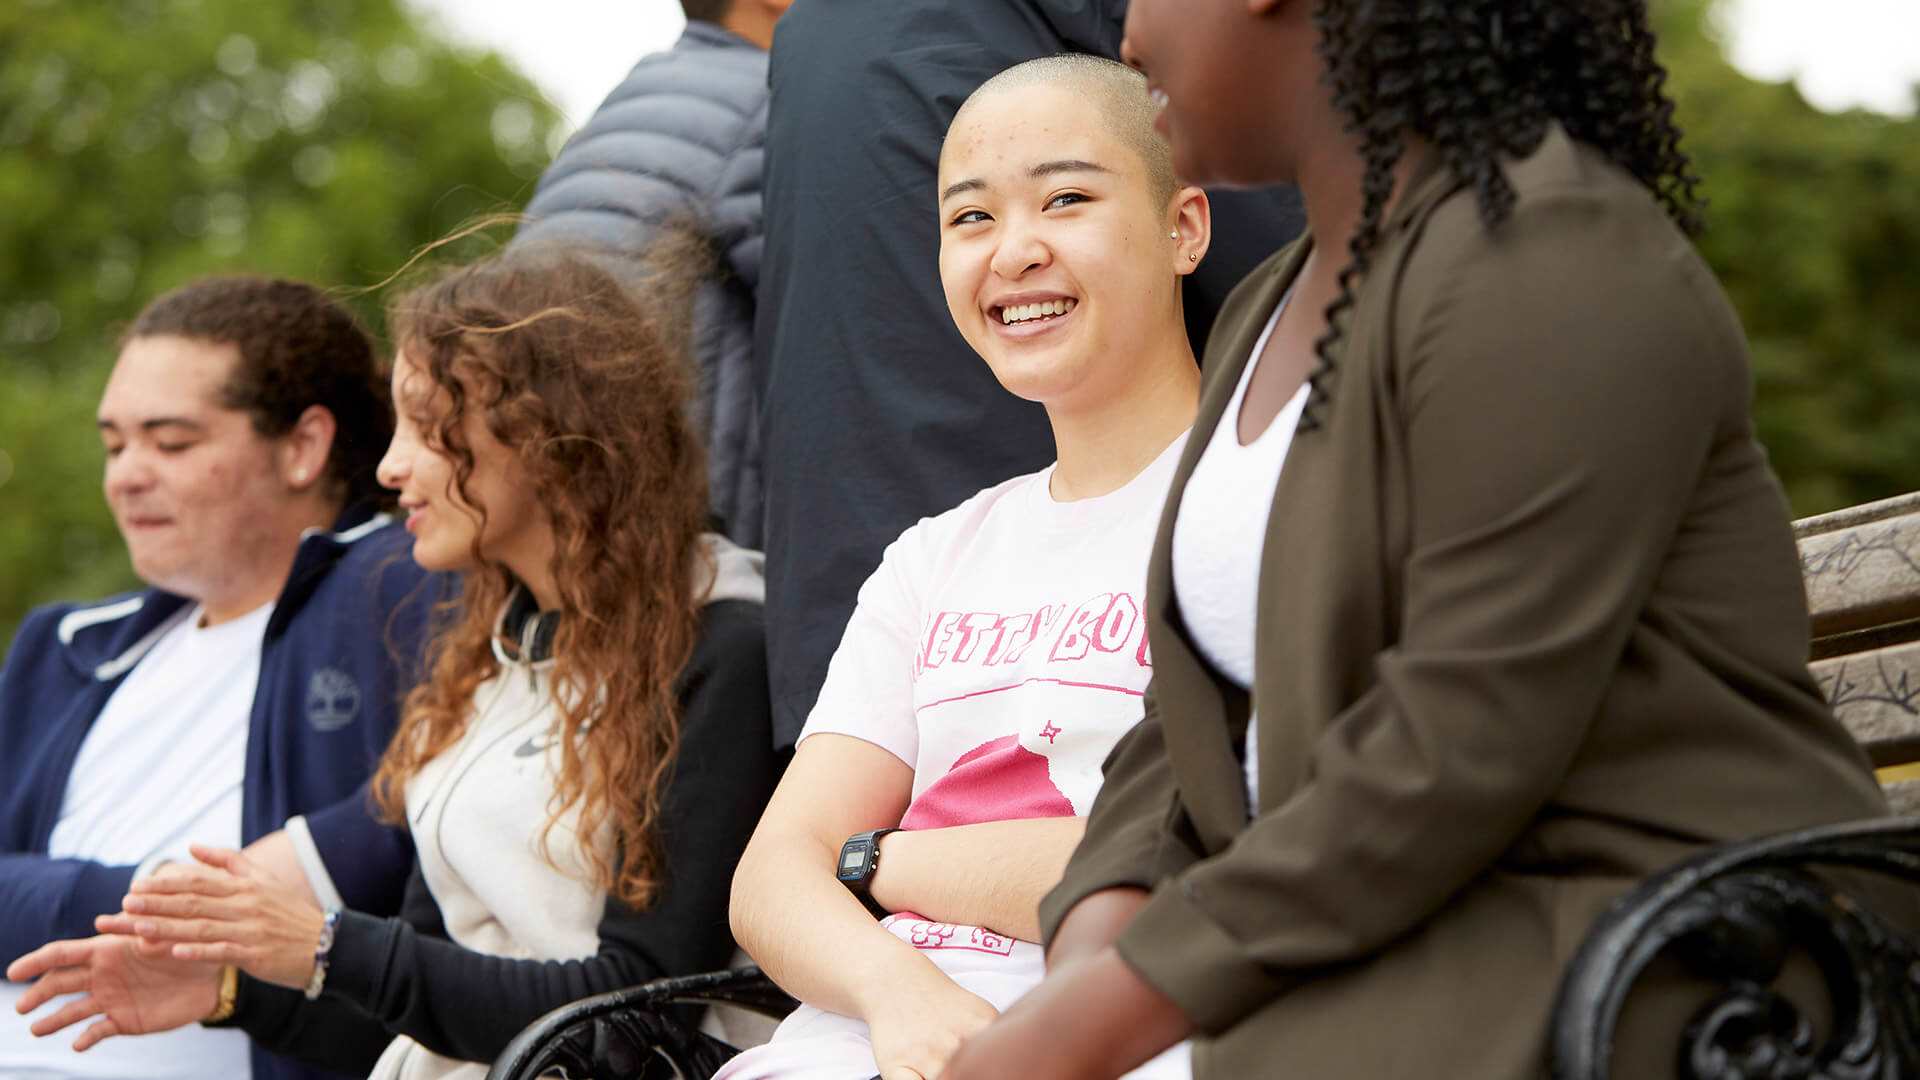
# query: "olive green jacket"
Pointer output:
{"type": "Point", "coordinates": [1531, 626]}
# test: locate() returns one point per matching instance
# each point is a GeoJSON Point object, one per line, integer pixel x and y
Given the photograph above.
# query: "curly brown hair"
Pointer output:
{"type": "Point", "coordinates": [298, 348]}
{"type": "Point", "coordinates": [587, 384]}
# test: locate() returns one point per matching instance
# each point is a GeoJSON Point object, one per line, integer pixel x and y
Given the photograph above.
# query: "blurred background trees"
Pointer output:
{"type": "Point", "coordinates": [1813, 225]}
{"type": "Point", "coordinates": [148, 141]}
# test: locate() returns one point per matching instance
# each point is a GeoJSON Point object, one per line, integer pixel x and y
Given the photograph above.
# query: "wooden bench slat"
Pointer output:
{"type": "Point", "coordinates": [1904, 797]}
{"type": "Point", "coordinates": [1877, 696]}
{"type": "Point", "coordinates": [1898, 506]}
{"type": "Point", "coordinates": [1864, 574]}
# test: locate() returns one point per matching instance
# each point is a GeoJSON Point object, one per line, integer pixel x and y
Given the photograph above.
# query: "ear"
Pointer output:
{"type": "Point", "coordinates": [306, 448]}
{"type": "Point", "coordinates": [1191, 216]}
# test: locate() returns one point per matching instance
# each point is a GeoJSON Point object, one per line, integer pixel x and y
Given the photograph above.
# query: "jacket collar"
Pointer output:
{"type": "Point", "coordinates": [104, 641]}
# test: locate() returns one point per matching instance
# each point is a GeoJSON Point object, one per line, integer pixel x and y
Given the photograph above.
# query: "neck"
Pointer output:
{"type": "Point", "coordinates": [751, 21]}
{"type": "Point", "coordinates": [1330, 176]}
{"type": "Point", "coordinates": [1103, 446]}
{"type": "Point", "coordinates": [272, 563]}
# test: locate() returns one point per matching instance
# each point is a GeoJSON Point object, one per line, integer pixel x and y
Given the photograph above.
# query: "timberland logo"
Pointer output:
{"type": "Point", "coordinates": [333, 700]}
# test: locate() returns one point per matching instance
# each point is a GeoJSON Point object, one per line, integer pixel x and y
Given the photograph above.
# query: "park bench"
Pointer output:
{"type": "Point", "coordinates": [1730, 914]}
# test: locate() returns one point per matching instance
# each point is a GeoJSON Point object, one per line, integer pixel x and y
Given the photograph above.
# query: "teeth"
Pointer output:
{"type": "Point", "coordinates": [1026, 312]}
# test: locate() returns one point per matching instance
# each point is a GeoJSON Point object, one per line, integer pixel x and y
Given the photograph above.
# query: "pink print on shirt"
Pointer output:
{"type": "Point", "coordinates": [994, 781]}
{"type": "Point", "coordinates": [929, 936]}
{"type": "Point", "coordinates": [1106, 623]}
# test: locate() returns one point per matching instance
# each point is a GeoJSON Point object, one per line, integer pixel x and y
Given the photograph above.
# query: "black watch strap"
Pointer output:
{"type": "Point", "coordinates": [859, 859]}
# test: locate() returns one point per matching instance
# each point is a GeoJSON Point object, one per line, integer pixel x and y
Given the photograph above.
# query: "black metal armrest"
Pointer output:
{"type": "Point", "coordinates": [1732, 915]}
{"type": "Point", "coordinates": [623, 1034]}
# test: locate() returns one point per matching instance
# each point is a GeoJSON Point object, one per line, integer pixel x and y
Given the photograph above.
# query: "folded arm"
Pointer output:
{"type": "Point", "coordinates": [990, 874]}
{"type": "Point", "coordinates": [814, 937]}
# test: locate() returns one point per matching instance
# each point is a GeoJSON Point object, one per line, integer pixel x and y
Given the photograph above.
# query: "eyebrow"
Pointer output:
{"type": "Point", "coordinates": [157, 422]}
{"type": "Point", "coordinates": [1040, 171]}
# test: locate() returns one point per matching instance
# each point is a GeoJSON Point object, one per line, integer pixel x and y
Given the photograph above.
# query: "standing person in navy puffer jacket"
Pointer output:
{"type": "Point", "coordinates": [682, 138]}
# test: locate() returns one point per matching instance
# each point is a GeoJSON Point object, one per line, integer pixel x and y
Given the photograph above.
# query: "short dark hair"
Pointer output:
{"type": "Point", "coordinates": [298, 348]}
{"type": "Point", "coordinates": [706, 10]}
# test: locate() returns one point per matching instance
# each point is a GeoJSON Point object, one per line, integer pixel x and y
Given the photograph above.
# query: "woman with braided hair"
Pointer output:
{"type": "Point", "coordinates": [1475, 602]}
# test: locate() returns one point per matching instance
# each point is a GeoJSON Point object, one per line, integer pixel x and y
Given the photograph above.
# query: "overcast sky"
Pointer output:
{"type": "Point", "coordinates": [1842, 52]}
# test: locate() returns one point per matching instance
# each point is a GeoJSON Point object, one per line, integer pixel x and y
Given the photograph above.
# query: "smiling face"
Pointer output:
{"type": "Point", "coordinates": [445, 517]}
{"type": "Point", "coordinates": [199, 495]}
{"type": "Point", "coordinates": [1054, 252]}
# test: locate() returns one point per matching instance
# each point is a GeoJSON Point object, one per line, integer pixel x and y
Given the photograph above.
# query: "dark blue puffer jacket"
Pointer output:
{"type": "Point", "coordinates": [683, 137]}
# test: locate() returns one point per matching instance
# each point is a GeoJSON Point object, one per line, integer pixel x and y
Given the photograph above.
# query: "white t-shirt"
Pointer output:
{"type": "Point", "coordinates": [1001, 648]}
{"type": "Point", "coordinates": [161, 767]}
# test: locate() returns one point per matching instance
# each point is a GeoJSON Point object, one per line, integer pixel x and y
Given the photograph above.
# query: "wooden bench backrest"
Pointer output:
{"type": "Point", "coordinates": [1862, 568]}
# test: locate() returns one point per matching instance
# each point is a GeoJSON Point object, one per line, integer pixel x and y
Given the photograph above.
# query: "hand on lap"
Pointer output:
{"type": "Point", "coordinates": [915, 1033]}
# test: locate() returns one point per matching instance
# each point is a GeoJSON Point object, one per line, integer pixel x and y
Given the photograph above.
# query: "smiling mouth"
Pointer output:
{"type": "Point", "coordinates": [1041, 312]}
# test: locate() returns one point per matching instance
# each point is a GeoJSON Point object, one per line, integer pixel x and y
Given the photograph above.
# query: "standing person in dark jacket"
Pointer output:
{"type": "Point", "coordinates": [583, 764]}
{"type": "Point", "coordinates": [254, 679]}
{"type": "Point", "coordinates": [874, 411]}
{"type": "Point", "coordinates": [681, 139]}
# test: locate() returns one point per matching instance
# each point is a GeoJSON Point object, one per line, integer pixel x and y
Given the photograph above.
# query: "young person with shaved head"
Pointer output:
{"type": "Point", "coordinates": [998, 652]}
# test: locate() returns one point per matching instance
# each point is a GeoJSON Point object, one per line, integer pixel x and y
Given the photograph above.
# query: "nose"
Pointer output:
{"type": "Point", "coordinates": [392, 470]}
{"type": "Point", "coordinates": [129, 472]}
{"type": "Point", "coordinates": [1020, 251]}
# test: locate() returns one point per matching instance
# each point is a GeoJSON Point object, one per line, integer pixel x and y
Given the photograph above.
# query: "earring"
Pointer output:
{"type": "Point", "coordinates": [1173, 236]}
{"type": "Point", "coordinates": [1191, 257]}
{"type": "Point", "coordinates": [300, 476]}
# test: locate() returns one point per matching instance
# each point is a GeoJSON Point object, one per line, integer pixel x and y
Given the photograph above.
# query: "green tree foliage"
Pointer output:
{"type": "Point", "coordinates": [147, 142]}
{"type": "Point", "coordinates": [1813, 226]}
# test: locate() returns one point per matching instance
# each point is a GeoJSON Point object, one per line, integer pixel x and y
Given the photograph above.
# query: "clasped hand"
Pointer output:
{"type": "Point", "coordinates": [223, 910]}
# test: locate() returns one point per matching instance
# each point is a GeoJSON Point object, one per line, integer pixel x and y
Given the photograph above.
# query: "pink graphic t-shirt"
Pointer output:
{"type": "Point", "coordinates": [1001, 648]}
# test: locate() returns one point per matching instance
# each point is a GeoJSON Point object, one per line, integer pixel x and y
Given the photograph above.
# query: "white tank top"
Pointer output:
{"type": "Point", "coordinates": [1219, 533]}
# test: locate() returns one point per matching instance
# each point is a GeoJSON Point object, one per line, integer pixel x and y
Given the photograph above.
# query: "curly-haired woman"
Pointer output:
{"type": "Point", "coordinates": [583, 764]}
{"type": "Point", "coordinates": [1477, 602]}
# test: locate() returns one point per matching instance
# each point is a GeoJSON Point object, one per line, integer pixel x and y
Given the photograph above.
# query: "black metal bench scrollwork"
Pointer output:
{"type": "Point", "coordinates": [626, 1035]}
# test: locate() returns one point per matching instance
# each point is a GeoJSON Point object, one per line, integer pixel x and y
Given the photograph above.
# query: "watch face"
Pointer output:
{"type": "Point", "coordinates": [854, 860]}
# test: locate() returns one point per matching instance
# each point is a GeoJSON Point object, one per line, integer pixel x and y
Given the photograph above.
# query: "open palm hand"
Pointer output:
{"type": "Point", "coordinates": [132, 993]}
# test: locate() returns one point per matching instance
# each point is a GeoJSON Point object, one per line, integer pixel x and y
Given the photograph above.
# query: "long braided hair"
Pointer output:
{"type": "Point", "coordinates": [1480, 80]}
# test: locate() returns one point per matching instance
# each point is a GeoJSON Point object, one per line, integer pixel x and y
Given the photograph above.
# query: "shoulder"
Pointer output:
{"type": "Point", "coordinates": [1590, 225]}
{"type": "Point", "coordinates": [1587, 262]}
{"type": "Point", "coordinates": [379, 554]}
{"type": "Point", "coordinates": [927, 541]}
{"type": "Point", "coordinates": [729, 74]}
{"type": "Point", "coordinates": [724, 685]}
{"type": "Point", "coordinates": [732, 635]}
{"type": "Point", "coordinates": [92, 632]}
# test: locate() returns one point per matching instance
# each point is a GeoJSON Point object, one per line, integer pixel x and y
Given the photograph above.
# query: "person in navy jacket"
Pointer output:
{"type": "Point", "coordinates": [241, 425]}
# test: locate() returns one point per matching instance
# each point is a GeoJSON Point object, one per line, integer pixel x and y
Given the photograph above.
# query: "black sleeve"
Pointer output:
{"type": "Point", "coordinates": [332, 1035]}
{"type": "Point", "coordinates": [410, 980]}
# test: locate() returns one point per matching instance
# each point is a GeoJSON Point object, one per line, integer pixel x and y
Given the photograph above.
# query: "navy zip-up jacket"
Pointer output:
{"type": "Point", "coordinates": [341, 648]}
